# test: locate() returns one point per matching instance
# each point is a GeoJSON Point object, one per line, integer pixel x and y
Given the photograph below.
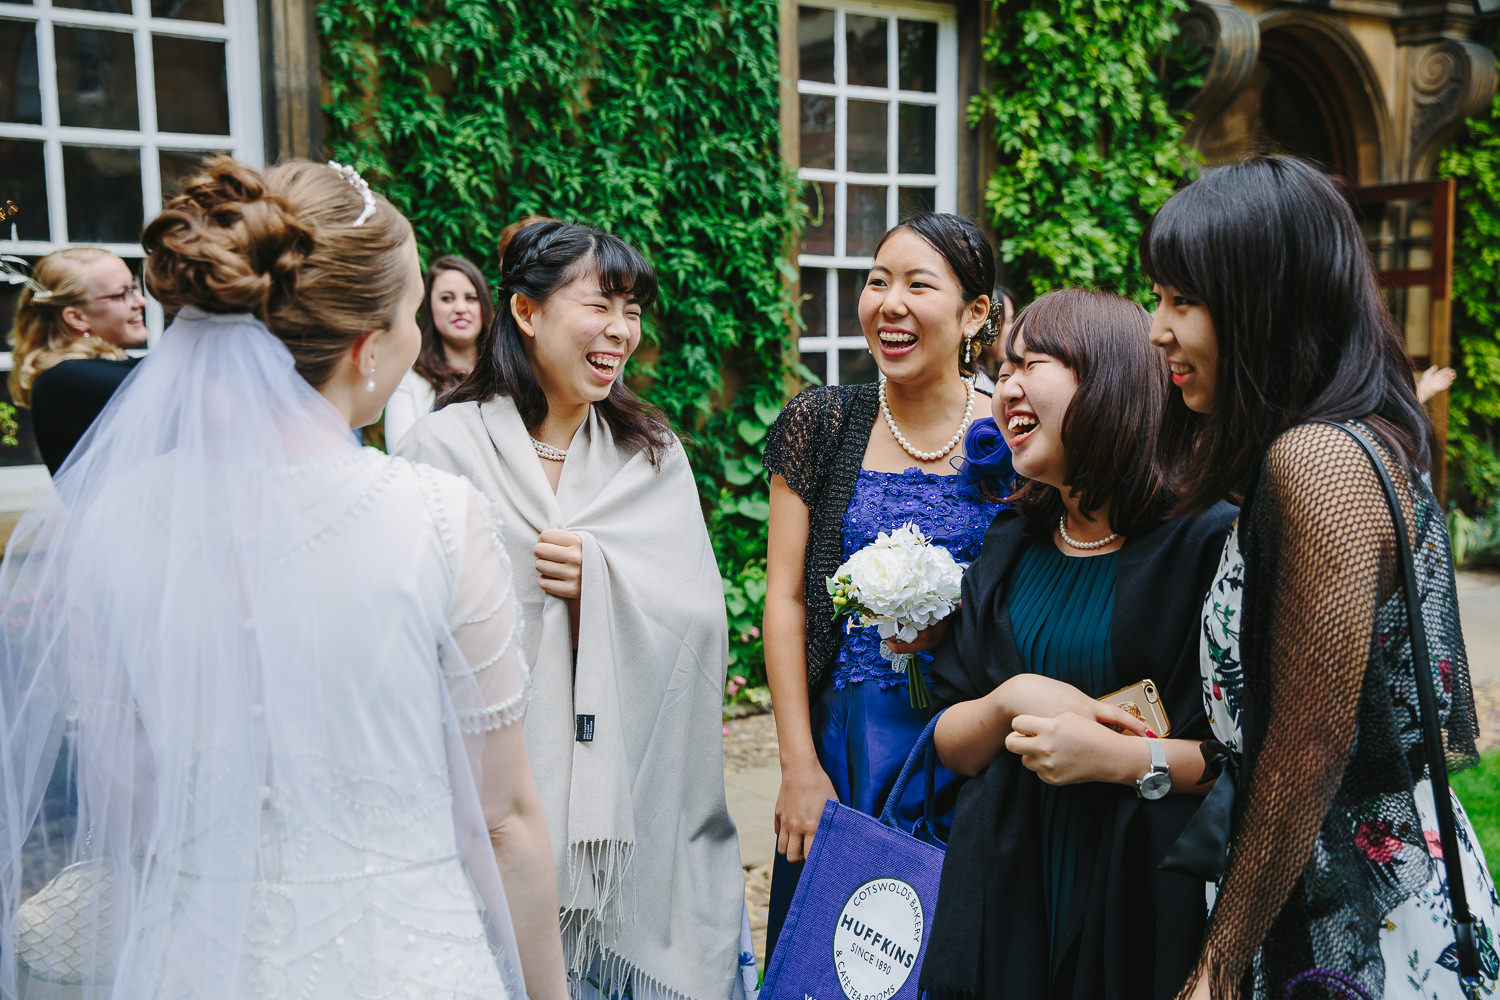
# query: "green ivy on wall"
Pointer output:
{"type": "Point", "coordinates": [1474, 408]}
{"type": "Point", "coordinates": [1088, 146]}
{"type": "Point", "coordinates": [657, 120]}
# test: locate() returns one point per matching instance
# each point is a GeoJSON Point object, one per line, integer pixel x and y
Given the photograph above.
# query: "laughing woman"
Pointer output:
{"type": "Point", "coordinates": [1273, 324]}
{"type": "Point", "coordinates": [1050, 887]}
{"type": "Point", "coordinates": [624, 618]}
{"type": "Point", "coordinates": [849, 462]}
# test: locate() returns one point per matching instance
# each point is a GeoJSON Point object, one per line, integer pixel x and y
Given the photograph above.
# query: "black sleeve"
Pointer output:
{"type": "Point", "coordinates": [67, 397]}
{"type": "Point", "coordinates": [795, 442]}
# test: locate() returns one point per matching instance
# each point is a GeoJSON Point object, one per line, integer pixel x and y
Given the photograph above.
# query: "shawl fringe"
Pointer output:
{"type": "Point", "coordinates": [596, 873]}
{"type": "Point", "coordinates": [611, 974]}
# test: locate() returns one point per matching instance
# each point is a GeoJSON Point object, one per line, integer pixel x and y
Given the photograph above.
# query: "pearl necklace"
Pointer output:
{"type": "Point", "coordinates": [1062, 529]}
{"type": "Point", "coordinates": [545, 450]}
{"type": "Point", "coordinates": [926, 456]}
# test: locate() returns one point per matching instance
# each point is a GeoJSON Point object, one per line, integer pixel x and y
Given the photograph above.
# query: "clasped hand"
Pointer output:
{"type": "Point", "coordinates": [559, 562]}
{"type": "Point", "coordinates": [1062, 734]}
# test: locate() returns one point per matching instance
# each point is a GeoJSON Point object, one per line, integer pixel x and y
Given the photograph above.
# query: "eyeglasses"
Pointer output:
{"type": "Point", "coordinates": [123, 296]}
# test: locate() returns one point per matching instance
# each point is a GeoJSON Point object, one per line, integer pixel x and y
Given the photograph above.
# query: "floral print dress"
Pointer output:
{"type": "Point", "coordinates": [1416, 942]}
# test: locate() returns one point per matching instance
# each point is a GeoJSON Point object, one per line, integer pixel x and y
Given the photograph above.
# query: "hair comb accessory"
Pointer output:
{"type": "Point", "coordinates": [359, 184]}
{"type": "Point", "coordinates": [17, 270]}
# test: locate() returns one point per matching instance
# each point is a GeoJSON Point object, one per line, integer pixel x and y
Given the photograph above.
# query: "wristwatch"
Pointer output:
{"type": "Point", "coordinates": [1157, 782]}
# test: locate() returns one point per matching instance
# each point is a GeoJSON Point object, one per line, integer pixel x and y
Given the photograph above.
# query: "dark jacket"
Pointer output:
{"type": "Point", "coordinates": [67, 397]}
{"type": "Point", "coordinates": [1133, 931]}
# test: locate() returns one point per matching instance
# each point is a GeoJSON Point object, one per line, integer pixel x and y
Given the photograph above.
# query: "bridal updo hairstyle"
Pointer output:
{"type": "Point", "coordinates": [969, 254]}
{"type": "Point", "coordinates": [281, 245]}
{"type": "Point", "coordinates": [1273, 251]}
{"type": "Point", "coordinates": [41, 337]}
{"type": "Point", "coordinates": [1118, 428]}
{"type": "Point", "coordinates": [539, 260]}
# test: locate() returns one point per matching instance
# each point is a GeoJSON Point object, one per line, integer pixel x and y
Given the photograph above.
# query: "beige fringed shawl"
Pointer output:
{"type": "Point", "coordinates": [648, 865]}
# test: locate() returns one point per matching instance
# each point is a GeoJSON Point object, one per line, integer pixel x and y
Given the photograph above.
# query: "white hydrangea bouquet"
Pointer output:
{"type": "Point", "coordinates": [900, 583]}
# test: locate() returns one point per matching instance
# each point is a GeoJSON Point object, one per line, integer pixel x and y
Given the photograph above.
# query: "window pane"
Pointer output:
{"type": "Point", "coordinates": [20, 86]}
{"type": "Point", "coordinates": [191, 92]}
{"type": "Point", "coordinates": [916, 48]}
{"type": "Point", "coordinates": [109, 6]}
{"type": "Point", "coordinates": [25, 188]}
{"type": "Point", "coordinates": [103, 193]}
{"type": "Point", "coordinates": [867, 221]}
{"type": "Point", "coordinates": [814, 281]}
{"type": "Point", "coordinates": [817, 362]}
{"type": "Point", "coordinates": [865, 38]}
{"type": "Point", "coordinates": [910, 201]}
{"type": "Point", "coordinates": [189, 10]}
{"type": "Point", "coordinates": [817, 131]}
{"type": "Point", "coordinates": [857, 366]}
{"type": "Point", "coordinates": [867, 137]}
{"type": "Point", "coordinates": [916, 139]}
{"type": "Point", "coordinates": [818, 236]}
{"type": "Point", "coordinates": [851, 283]}
{"type": "Point", "coordinates": [815, 44]}
{"type": "Point", "coordinates": [96, 78]}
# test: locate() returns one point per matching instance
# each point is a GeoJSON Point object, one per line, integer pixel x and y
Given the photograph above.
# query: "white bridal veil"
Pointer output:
{"type": "Point", "coordinates": [245, 671]}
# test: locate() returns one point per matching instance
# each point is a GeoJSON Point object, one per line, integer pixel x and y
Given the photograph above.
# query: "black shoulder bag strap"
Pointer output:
{"type": "Point", "coordinates": [1463, 919]}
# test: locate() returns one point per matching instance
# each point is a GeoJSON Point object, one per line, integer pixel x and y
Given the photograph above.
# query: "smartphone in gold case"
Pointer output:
{"type": "Point", "coordinates": [1142, 700]}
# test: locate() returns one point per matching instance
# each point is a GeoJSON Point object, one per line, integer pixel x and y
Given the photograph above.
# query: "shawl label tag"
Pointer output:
{"type": "Point", "coordinates": [585, 729]}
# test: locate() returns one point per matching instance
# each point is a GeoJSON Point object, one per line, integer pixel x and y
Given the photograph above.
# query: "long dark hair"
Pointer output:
{"type": "Point", "coordinates": [1111, 428]}
{"type": "Point", "coordinates": [971, 258]}
{"type": "Point", "coordinates": [539, 260]}
{"type": "Point", "coordinates": [1274, 252]}
{"type": "Point", "coordinates": [432, 360]}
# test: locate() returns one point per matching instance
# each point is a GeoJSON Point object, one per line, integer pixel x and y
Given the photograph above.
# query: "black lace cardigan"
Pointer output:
{"type": "Point", "coordinates": [817, 445]}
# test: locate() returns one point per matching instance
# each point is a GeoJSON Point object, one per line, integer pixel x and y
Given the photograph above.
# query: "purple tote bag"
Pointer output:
{"type": "Point", "coordinates": [858, 924]}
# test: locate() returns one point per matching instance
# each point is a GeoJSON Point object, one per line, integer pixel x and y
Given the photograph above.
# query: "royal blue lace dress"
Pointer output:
{"type": "Point", "coordinates": [862, 718]}
{"type": "Point", "coordinates": [863, 723]}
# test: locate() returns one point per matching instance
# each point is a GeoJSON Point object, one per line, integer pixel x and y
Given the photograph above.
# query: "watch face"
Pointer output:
{"type": "Point", "coordinates": [1155, 785]}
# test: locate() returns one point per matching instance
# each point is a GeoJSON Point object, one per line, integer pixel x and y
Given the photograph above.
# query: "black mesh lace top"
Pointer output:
{"type": "Point", "coordinates": [817, 445]}
{"type": "Point", "coordinates": [1332, 742]}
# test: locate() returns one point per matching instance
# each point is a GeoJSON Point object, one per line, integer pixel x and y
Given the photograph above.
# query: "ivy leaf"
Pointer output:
{"type": "Point", "coordinates": [751, 433]}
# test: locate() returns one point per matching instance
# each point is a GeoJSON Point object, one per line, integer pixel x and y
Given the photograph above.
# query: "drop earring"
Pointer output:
{"type": "Point", "coordinates": [968, 348]}
{"type": "Point", "coordinates": [370, 380]}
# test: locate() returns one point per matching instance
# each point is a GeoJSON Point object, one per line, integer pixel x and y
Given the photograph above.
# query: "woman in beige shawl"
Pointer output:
{"type": "Point", "coordinates": [625, 624]}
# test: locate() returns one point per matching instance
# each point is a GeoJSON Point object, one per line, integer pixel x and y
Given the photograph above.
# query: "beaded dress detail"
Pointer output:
{"type": "Point", "coordinates": [949, 512]}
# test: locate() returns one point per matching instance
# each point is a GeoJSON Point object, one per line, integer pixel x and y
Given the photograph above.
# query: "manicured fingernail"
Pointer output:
{"type": "Point", "coordinates": [1150, 734]}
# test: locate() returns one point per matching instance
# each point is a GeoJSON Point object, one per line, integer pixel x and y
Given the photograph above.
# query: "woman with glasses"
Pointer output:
{"type": "Point", "coordinates": [78, 313]}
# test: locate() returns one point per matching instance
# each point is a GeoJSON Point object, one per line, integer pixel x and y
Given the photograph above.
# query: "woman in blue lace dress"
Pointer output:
{"type": "Point", "coordinates": [846, 463]}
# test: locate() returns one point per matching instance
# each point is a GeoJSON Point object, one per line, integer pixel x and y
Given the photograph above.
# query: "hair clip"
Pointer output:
{"type": "Point", "coordinates": [359, 184]}
{"type": "Point", "coordinates": [18, 270]}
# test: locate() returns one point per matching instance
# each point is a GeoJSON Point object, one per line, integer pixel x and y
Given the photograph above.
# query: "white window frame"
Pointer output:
{"type": "Point", "coordinates": [240, 34]}
{"type": "Point", "coordinates": [944, 180]}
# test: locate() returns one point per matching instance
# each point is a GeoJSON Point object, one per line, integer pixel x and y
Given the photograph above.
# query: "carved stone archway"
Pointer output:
{"type": "Point", "coordinates": [1375, 92]}
{"type": "Point", "coordinates": [1289, 80]}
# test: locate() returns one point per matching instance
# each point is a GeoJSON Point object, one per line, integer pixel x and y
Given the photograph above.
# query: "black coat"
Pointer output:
{"type": "Point", "coordinates": [1135, 931]}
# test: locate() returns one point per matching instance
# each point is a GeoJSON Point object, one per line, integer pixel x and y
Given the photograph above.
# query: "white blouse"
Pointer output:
{"type": "Point", "coordinates": [413, 399]}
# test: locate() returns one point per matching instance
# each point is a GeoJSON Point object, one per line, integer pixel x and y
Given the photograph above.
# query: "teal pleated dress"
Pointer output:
{"type": "Point", "coordinates": [1060, 610]}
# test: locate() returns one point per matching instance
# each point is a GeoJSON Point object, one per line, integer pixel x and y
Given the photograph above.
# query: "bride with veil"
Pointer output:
{"type": "Point", "coordinates": [260, 688]}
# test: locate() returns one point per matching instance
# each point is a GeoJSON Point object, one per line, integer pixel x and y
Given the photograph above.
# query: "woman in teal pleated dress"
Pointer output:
{"type": "Point", "coordinates": [1050, 886]}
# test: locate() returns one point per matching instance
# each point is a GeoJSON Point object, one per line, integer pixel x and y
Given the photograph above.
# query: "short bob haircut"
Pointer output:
{"type": "Point", "coordinates": [432, 360]}
{"type": "Point", "coordinates": [1111, 428]}
{"type": "Point", "coordinates": [1274, 253]}
{"type": "Point", "coordinates": [539, 260]}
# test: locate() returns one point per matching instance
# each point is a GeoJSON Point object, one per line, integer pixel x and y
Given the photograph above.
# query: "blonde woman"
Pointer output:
{"type": "Point", "coordinates": [76, 316]}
